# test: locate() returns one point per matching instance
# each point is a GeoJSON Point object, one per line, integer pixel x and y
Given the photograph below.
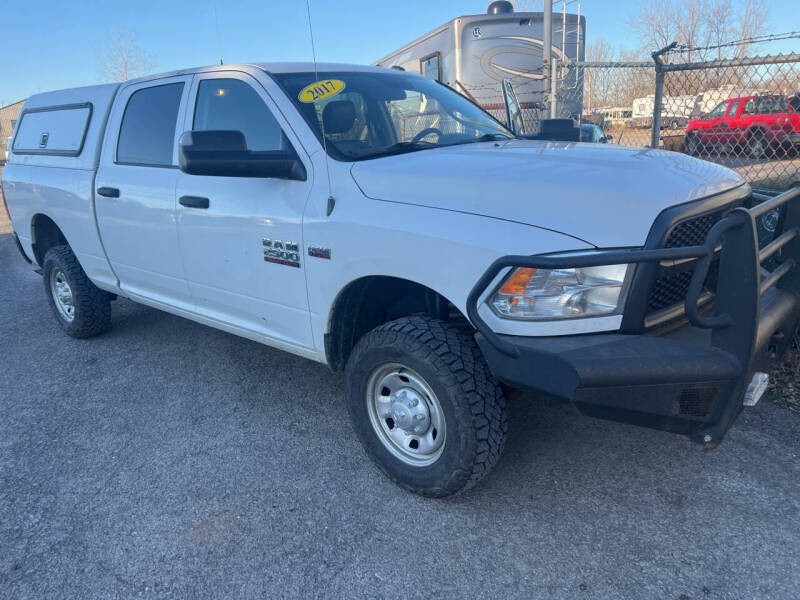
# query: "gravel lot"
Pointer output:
{"type": "Point", "coordinates": [167, 459]}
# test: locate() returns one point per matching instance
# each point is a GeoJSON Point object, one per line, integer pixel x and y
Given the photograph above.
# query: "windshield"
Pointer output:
{"type": "Point", "coordinates": [379, 114]}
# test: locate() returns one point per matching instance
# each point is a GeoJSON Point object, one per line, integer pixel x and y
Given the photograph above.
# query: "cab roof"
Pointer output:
{"type": "Point", "coordinates": [269, 67]}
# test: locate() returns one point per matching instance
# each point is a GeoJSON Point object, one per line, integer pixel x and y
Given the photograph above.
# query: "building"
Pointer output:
{"type": "Point", "coordinates": [8, 119]}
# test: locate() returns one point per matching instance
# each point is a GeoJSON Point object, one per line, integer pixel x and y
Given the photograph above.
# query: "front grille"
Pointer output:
{"type": "Point", "coordinates": [692, 232]}
{"type": "Point", "coordinates": [672, 284]}
{"type": "Point", "coordinates": [668, 291]}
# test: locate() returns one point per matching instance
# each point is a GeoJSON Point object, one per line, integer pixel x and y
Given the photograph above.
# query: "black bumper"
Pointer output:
{"type": "Point", "coordinates": [679, 382]}
{"type": "Point", "coordinates": [691, 380]}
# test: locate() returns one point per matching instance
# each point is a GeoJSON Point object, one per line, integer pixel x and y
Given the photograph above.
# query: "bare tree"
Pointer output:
{"type": "Point", "coordinates": [701, 26]}
{"type": "Point", "coordinates": [656, 23]}
{"type": "Point", "coordinates": [752, 18]}
{"type": "Point", "coordinates": [122, 58]}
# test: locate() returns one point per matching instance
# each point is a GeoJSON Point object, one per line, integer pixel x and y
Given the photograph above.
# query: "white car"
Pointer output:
{"type": "Point", "coordinates": [381, 223]}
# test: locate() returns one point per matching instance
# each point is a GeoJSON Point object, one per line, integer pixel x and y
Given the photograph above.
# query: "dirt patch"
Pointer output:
{"type": "Point", "coordinates": [5, 224]}
{"type": "Point", "coordinates": [784, 385]}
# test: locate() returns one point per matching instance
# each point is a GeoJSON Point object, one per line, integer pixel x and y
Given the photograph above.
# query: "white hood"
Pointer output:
{"type": "Point", "coordinates": [606, 195]}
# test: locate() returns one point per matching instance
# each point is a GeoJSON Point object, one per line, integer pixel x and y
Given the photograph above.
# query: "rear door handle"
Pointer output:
{"type": "Point", "coordinates": [194, 201]}
{"type": "Point", "coordinates": [108, 192]}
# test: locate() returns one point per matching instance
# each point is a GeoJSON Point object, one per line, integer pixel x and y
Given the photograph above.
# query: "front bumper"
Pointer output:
{"type": "Point", "coordinates": [690, 380]}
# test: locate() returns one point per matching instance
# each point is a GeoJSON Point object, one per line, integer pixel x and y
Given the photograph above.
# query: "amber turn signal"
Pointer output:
{"type": "Point", "coordinates": [518, 282]}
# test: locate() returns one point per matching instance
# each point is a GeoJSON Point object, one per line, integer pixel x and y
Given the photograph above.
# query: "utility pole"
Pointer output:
{"type": "Point", "coordinates": [547, 48]}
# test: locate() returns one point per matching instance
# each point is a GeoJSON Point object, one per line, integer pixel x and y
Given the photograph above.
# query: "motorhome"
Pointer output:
{"type": "Point", "coordinates": [675, 111]}
{"type": "Point", "coordinates": [474, 53]}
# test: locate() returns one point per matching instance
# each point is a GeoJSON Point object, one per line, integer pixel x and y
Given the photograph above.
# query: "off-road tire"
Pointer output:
{"type": "Point", "coordinates": [471, 399]}
{"type": "Point", "coordinates": [92, 305]}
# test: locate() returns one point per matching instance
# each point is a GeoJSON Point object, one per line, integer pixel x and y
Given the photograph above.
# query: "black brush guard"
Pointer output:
{"type": "Point", "coordinates": [691, 380]}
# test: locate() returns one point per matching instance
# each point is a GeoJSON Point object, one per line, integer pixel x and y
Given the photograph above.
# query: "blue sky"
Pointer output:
{"type": "Point", "coordinates": [49, 44]}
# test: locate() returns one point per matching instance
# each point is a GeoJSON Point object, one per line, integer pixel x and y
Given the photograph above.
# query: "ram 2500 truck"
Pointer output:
{"type": "Point", "coordinates": [381, 223]}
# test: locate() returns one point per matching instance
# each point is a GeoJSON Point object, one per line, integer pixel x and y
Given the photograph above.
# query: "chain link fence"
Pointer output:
{"type": "Point", "coordinates": [743, 113]}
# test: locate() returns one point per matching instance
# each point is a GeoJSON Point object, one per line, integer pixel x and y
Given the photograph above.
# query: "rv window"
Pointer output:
{"type": "Point", "coordinates": [147, 134]}
{"type": "Point", "coordinates": [430, 67]}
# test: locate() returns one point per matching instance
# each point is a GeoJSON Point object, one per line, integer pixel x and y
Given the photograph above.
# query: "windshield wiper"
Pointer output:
{"type": "Point", "coordinates": [486, 137]}
{"type": "Point", "coordinates": [399, 148]}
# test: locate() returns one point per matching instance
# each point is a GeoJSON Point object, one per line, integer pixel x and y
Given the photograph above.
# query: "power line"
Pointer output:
{"type": "Point", "coordinates": [758, 39]}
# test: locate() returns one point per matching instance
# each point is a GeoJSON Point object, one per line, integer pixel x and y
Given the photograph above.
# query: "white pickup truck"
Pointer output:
{"type": "Point", "coordinates": [381, 223]}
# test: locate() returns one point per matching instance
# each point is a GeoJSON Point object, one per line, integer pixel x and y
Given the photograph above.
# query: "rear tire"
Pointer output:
{"type": "Point", "coordinates": [419, 370]}
{"type": "Point", "coordinates": [81, 308]}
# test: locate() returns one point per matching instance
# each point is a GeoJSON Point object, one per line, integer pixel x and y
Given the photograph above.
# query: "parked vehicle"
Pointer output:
{"type": "Point", "coordinates": [675, 111]}
{"type": "Point", "coordinates": [473, 54]}
{"type": "Point", "coordinates": [753, 125]}
{"type": "Point", "coordinates": [301, 210]}
{"type": "Point", "coordinates": [592, 133]}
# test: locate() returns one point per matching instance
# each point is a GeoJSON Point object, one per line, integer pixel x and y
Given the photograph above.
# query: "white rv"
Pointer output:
{"type": "Point", "coordinates": [675, 111]}
{"type": "Point", "coordinates": [473, 54]}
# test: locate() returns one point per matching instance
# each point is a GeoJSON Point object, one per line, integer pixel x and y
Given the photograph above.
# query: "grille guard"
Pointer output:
{"type": "Point", "coordinates": [740, 283]}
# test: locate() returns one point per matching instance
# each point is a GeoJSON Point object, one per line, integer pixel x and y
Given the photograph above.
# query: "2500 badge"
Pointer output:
{"type": "Point", "coordinates": [281, 253]}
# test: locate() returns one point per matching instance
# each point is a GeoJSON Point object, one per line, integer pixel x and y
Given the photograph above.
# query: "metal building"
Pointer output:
{"type": "Point", "coordinates": [8, 119]}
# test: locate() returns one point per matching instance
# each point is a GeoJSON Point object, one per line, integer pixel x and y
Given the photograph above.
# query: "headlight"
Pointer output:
{"type": "Point", "coordinates": [542, 294]}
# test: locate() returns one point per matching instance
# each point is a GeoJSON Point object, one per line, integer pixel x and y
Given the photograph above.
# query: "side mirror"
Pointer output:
{"type": "Point", "coordinates": [225, 154]}
{"type": "Point", "coordinates": [609, 138]}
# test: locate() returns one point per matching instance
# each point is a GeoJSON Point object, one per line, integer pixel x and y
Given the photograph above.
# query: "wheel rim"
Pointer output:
{"type": "Point", "coordinates": [405, 414]}
{"type": "Point", "coordinates": [62, 295]}
{"type": "Point", "coordinates": [756, 146]}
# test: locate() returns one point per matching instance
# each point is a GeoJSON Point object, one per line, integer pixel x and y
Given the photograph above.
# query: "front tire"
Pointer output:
{"type": "Point", "coordinates": [81, 308]}
{"type": "Point", "coordinates": [756, 145]}
{"type": "Point", "coordinates": [692, 144]}
{"type": "Point", "coordinates": [425, 406]}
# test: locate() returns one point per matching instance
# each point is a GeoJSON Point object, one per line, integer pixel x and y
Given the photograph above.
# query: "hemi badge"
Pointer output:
{"type": "Point", "coordinates": [318, 252]}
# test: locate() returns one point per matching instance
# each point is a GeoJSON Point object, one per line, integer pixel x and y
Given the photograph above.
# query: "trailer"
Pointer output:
{"type": "Point", "coordinates": [474, 53]}
{"type": "Point", "coordinates": [676, 111]}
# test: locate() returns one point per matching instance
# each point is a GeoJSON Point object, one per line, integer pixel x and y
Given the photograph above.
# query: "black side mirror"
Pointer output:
{"type": "Point", "coordinates": [225, 154]}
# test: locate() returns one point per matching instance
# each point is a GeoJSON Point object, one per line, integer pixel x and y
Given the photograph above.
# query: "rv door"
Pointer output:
{"type": "Point", "coordinates": [513, 109]}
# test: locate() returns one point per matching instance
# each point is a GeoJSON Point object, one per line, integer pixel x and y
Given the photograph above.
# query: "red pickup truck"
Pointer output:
{"type": "Point", "coordinates": [752, 125]}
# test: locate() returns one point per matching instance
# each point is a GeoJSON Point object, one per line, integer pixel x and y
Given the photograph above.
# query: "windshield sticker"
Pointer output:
{"type": "Point", "coordinates": [319, 90]}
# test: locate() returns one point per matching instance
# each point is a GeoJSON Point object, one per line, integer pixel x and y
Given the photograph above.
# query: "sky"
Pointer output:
{"type": "Point", "coordinates": [52, 44]}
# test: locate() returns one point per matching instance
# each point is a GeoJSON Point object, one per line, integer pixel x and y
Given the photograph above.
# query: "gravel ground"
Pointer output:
{"type": "Point", "coordinates": [170, 460]}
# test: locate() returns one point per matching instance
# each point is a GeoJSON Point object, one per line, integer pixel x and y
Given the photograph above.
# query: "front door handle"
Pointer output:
{"type": "Point", "coordinates": [108, 192]}
{"type": "Point", "coordinates": [193, 201]}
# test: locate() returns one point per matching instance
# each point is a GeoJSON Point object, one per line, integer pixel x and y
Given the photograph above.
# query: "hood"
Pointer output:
{"type": "Point", "coordinates": [608, 196]}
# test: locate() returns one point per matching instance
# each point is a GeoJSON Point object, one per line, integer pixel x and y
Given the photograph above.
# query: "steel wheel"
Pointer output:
{"type": "Point", "coordinates": [405, 414]}
{"type": "Point", "coordinates": [62, 295]}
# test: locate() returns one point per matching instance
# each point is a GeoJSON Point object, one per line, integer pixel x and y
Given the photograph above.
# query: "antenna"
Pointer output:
{"type": "Point", "coordinates": [219, 37]}
{"type": "Point", "coordinates": [331, 201]}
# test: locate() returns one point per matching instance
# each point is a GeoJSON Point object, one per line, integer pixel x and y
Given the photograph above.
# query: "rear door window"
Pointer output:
{"type": "Point", "coordinates": [147, 133]}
